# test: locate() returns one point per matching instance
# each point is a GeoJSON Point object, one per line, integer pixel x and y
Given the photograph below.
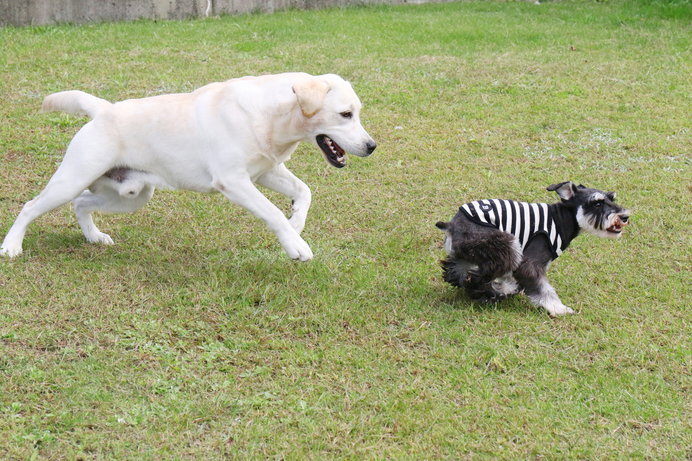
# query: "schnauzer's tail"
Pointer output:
{"type": "Point", "coordinates": [442, 225]}
{"type": "Point", "coordinates": [74, 102]}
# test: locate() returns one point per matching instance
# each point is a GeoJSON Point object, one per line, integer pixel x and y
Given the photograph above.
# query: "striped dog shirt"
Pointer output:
{"type": "Point", "coordinates": [521, 219]}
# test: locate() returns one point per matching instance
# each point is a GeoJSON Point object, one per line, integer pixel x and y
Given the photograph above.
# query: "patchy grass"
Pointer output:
{"type": "Point", "coordinates": [196, 338]}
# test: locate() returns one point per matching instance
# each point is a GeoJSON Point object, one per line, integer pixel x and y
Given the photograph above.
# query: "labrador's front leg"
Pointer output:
{"type": "Point", "coordinates": [281, 180]}
{"type": "Point", "coordinates": [241, 190]}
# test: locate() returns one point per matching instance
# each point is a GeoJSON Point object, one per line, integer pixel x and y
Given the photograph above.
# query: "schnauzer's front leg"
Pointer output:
{"type": "Point", "coordinates": [539, 290]}
{"type": "Point", "coordinates": [546, 297]}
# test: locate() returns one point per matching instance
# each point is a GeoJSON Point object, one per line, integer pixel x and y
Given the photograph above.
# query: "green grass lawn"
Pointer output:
{"type": "Point", "coordinates": [195, 337]}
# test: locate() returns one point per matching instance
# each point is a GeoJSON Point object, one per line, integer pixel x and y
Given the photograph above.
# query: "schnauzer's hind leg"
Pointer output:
{"type": "Point", "coordinates": [505, 286]}
{"type": "Point", "coordinates": [484, 292]}
{"type": "Point", "coordinates": [461, 273]}
{"type": "Point", "coordinates": [455, 271]}
{"type": "Point", "coordinates": [496, 255]}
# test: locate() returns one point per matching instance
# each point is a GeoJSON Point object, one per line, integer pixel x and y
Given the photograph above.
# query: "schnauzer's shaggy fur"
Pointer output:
{"type": "Point", "coordinates": [492, 264]}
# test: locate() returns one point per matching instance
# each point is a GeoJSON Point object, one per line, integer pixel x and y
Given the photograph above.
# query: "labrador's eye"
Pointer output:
{"type": "Point", "coordinates": [347, 114]}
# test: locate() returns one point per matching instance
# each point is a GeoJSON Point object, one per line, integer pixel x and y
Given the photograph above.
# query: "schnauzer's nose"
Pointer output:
{"type": "Point", "coordinates": [370, 146]}
{"type": "Point", "coordinates": [624, 218]}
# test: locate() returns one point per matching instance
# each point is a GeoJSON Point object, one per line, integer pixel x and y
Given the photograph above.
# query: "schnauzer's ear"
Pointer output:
{"type": "Point", "coordinates": [310, 94]}
{"type": "Point", "coordinates": [565, 190]}
{"type": "Point", "coordinates": [611, 196]}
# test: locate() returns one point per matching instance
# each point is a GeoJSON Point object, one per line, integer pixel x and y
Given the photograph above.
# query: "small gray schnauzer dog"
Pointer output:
{"type": "Point", "coordinates": [497, 248]}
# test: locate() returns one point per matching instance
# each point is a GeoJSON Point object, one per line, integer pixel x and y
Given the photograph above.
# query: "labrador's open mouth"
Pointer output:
{"type": "Point", "coordinates": [334, 154]}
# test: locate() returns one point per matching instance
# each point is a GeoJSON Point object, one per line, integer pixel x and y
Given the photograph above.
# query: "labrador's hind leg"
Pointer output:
{"type": "Point", "coordinates": [65, 185]}
{"type": "Point", "coordinates": [85, 161]}
{"type": "Point", "coordinates": [106, 200]}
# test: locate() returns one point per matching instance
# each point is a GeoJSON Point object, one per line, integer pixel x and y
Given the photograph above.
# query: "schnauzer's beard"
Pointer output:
{"type": "Point", "coordinates": [589, 224]}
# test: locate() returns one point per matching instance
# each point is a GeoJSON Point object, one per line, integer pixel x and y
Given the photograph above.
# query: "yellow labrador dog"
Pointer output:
{"type": "Point", "coordinates": [223, 137]}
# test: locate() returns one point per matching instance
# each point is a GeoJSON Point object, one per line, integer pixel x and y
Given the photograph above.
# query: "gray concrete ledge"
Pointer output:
{"type": "Point", "coordinates": [39, 12]}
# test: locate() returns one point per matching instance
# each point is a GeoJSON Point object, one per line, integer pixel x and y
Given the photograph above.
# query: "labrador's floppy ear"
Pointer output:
{"type": "Point", "coordinates": [310, 93]}
{"type": "Point", "coordinates": [565, 190]}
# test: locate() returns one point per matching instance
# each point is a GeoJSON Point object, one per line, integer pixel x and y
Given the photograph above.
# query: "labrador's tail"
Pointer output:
{"type": "Point", "coordinates": [74, 102]}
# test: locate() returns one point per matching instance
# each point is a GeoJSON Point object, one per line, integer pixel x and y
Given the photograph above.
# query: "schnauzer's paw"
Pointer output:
{"type": "Point", "coordinates": [472, 276]}
{"type": "Point", "coordinates": [485, 294]}
{"type": "Point", "coordinates": [452, 281]}
{"type": "Point", "coordinates": [497, 297]}
{"type": "Point", "coordinates": [491, 298]}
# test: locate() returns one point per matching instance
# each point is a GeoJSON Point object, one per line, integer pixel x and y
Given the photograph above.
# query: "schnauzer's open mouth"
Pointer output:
{"type": "Point", "coordinates": [617, 226]}
{"type": "Point", "coordinates": [614, 229]}
{"type": "Point", "coordinates": [334, 154]}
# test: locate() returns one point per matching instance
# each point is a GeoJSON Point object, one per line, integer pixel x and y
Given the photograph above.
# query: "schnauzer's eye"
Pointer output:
{"type": "Point", "coordinates": [347, 114]}
{"type": "Point", "coordinates": [598, 204]}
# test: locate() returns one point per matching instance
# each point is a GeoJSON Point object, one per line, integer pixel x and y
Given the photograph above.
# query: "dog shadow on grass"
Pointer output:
{"type": "Point", "coordinates": [457, 299]}
{"type": "Point", "coordinates": [44, 243]}
{"type": "Point", "coordinates": [164, 260]}
{"type": "Point", "coordinates": [175, 263]}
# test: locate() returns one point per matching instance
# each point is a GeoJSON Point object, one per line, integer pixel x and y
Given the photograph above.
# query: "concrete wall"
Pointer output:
{"type": "Point", "coordinates": [37, 12]}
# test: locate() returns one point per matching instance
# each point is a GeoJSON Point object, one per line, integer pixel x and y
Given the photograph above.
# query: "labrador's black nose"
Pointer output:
{"type": "Point", "coordinates": [370, 146]}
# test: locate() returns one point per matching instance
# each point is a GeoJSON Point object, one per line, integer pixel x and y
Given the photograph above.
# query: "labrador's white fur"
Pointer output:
{"type": "Point", "coordinates": [222, 137]}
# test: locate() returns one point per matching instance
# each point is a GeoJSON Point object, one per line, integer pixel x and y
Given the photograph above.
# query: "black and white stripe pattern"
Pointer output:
{"type": "Point", "coordinates": [521, 219]}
